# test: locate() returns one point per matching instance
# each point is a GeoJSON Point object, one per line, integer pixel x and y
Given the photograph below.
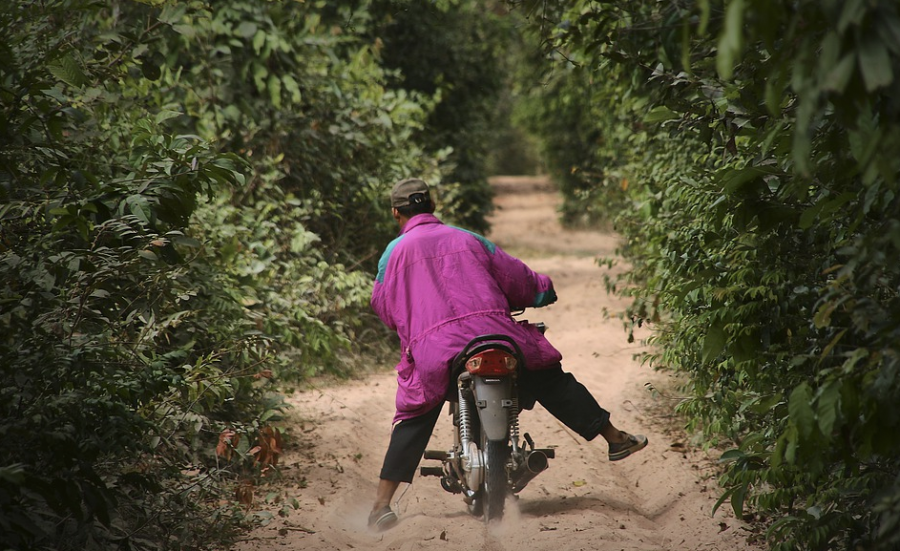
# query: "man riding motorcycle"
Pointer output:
{"type": "Point", "coordinates": [439, 286]}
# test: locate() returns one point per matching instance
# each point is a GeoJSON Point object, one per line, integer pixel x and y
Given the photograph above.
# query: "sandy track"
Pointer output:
{"type": "Point", "coordinates": [660, 499]}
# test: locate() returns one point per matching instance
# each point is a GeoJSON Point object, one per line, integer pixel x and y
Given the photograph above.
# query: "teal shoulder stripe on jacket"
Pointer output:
{"type": "Point", "coordinates": [383, 262]}
{"type": "Point", "coordinates": [484, 240]}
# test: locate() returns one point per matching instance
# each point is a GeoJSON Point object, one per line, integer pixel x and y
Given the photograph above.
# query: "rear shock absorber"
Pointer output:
{"type": "Point", "coordinates": [465, 421]}
{"type": "Point", "coordinates": [514, 424]}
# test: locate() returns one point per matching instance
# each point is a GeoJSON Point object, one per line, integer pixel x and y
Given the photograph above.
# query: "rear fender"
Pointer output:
{"type": "Point", "coordinates": [493, 400]}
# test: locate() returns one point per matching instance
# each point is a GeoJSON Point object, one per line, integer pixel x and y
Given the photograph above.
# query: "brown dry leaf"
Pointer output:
{"type": "Point", "coordinates": [264, 374]}
{"type": "Point", "coordinates": [270, 445]}
{"type": "Point", "coordinates": [244, 492]}
{"type": "Point", "coordinates": [228, 441]}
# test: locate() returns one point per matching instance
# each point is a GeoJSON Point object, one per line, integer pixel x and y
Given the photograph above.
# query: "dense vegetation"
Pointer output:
{"type": "Point", "coordinates": [192, 199]}
{"type": "Point", "coordinates": [749, 153]}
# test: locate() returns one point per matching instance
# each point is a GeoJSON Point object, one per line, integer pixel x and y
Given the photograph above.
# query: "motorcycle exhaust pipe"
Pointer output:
{"type": "Point", "coordinates": [535, 463]}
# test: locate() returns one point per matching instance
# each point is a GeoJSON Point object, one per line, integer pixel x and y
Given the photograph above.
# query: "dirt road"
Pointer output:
{"type": "Point", "coordinates": [660, 499]}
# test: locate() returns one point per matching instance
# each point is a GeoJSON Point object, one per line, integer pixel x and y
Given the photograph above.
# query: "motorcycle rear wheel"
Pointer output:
{"type": "Point", "coordinates": [495, 489]}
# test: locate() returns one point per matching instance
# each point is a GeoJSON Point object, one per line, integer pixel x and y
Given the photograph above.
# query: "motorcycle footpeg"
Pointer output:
{"type": "Point", "coordinates": [436, 454]}
{"type": "Point", "coordinates": [431, 471]}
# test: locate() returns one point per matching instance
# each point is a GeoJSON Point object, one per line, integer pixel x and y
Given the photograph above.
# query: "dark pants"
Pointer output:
{"type": "Point", "coordinates": [558, 391]}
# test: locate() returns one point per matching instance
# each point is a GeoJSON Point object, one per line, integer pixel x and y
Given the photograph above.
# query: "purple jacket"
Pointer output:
{"type": "Point", "coordinates": [439, 286]}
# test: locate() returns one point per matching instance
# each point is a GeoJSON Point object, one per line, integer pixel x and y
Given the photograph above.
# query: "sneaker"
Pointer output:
{"type": "Point", "coordinates": [631, 445]}
{"type": "Point", "coordinates": [382, 519]}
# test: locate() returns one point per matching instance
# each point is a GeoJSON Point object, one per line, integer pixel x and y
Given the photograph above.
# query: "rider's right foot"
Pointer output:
{"type": "Point", "coordinates": [382, 519]}
{"type": "Point", "coordinates": [631, 444]}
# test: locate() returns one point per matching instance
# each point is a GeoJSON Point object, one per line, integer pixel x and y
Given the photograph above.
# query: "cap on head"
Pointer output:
{"type": "Point", "coordinates": [410, 191]}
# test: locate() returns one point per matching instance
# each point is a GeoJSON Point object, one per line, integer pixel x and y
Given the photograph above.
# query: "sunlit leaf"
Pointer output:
{"type": "Point", "coordinates": [68, 71]}
{"type": "Point", "coordinates": [731, 40]}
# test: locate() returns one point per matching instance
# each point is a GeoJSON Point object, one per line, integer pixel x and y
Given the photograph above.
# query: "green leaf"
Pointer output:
{"type": "Point", "coordinates": [151, 67]}
{"type": "Point", "coordinates": [837, 78]}
{"type": "Point", "coordinates": [809, 216]}
{"type": "Point", "coordinates": [731, 40]}
{"type": "Point", "coordinates": [837, 338]}
{"type": "Point", "coordinates": [686, 46]}
{"type": "Point", "coordinates": [705, 12]}
{"type": "Point", "coordinates": [766, 405]}
{"type": "Point", "coordinates": [822, 317]}
{"type": "Point", "coordinates": [833, 205]}
{"type": "Point", "coordinates": [290, 84]}
{"type": "Point", "coordinates": [260, 74]}
{"type": "Point", "coordinates": [165, 115]}
{"type": "Point", "coordinates": [737, 495]}
{"type": "Point", "coordinates": [13, 474]}
{"type": "Point", "coordinates": [68, 71]}
{"type": "Point", "coordinates": [889, 30]}
{"type": "Point", "coordinates": [714, 343]}
{"type": "Point", "coordinates": [737, 500]}
{"type": "Point", "coordinates": [186, 241]}
{"type": "Point", "coordinates": [659, 114]}
{"type": "Point", "coordinates": [187, 30]}
{"type": "Point", "coordinates": [274, 86]}
{"type": "Point", "coordinates": [827, 407]}
{"type": "Point", "coordinates": [800, 409]}
{"type": "Point", "coordinates": [259, 39]}
{"type": "Point", "coordinates": [875, 63]}
{"type": "Point", "coordinates": [852, 14]}
{"type": "Point", "coordinates": [139, 207]}
{"type": "Point", "coordinates": [246, 29]}
{"type": "Point", "coordinates": [171, 14]}
{"type": "Point", "coordinates": [735, 179]}
{"type": "Point", "coordinates": [774, 94]}
{"type": "Point", "coordinates": [731, 455]}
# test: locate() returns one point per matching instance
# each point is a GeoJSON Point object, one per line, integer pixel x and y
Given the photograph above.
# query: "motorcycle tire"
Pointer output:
{"type": "Point", "coordinates": [495, 489]}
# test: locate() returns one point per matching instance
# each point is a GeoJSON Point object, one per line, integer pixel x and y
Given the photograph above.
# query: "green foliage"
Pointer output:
{"type": "Point", "coordinates": [94, 305]}
{"type": "Point", "coordinates": [574, 119]}
{"type": "Point", "coordinates": [299, 92]}
{"type": "Point", "coordinates": [452, 52]}
{"type": "Point", "coordinates": [191, 195]}
{"type": "Point", "coordinates": [759, 142]}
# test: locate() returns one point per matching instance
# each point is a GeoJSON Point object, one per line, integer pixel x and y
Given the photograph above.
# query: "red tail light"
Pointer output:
{"type": "Point", "coordinates": [491, 363]}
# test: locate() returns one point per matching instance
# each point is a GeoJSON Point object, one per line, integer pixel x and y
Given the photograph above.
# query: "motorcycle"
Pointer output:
{"type": "Point", "coordinates": [487, 461]}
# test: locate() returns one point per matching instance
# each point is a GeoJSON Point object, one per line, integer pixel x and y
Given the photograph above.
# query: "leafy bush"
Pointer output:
{"type": "Point", "coordinates": [183, 189]}
{"type": "Point", "coordinates": [95, 307]}
{"type": "Point", "coordinates": [762, 169]}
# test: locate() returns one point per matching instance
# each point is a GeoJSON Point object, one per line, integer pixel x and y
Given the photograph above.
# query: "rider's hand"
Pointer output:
{"type": "Point", "coordinates": [545, 299]}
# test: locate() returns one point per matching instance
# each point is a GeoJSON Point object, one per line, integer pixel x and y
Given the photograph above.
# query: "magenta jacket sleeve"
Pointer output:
{"type": "Point", "coordinates": [380, 305]}
{"type": "Point", "coordinates": [522, 286]}
{"type": "Point", "coordinates": [381, 302]}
